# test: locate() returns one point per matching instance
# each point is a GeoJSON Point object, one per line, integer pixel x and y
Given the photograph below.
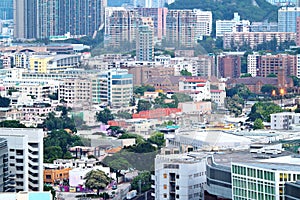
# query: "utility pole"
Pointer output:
{"type": "Point", "coordinates": [140, 186]}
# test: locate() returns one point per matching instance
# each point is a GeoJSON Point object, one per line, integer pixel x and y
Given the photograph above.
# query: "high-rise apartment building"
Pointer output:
{"type": "Point", "coordinates": [185, 27]}
{"type": "Point", "coordinates": [25, 19]}
{"type": "Point", "coordinates": [238, 39]}
{"type": "Point", "coordinates": [253, 62]}
{"type": "Point", "coordinates": [264, 26]}
{"type": "Point", "coordinates": [287, 19]}
{"type": "Point", "coordinates": [48, 18]}
{"type": "Point", "coordinates": [298, 31]}
{"type": "Point", "coordinates": [145, 40]}
{"type": "Point", "coordinates": [6, 9]}
{"type": "Point", "coordinates": [159, 16]}
{"type": "Point", "coordinates": [80, 17]}
{"type": "Point", "coordinates": [204, 23]}
{"type": "Point", "coordinates": [25, 157]}
{"type": "Point", "coordinates": [120, 26]}
{"type": "Point", "coordinates": [271, 64]}
{"type": "Point", "coordinates": [5, 184]}
{"type": "Point", "coordinates": [44, 18]}
{"type": "Point", "coordinates": [234, 25]}
{"type": "Point", "coordinates": [229, 66]}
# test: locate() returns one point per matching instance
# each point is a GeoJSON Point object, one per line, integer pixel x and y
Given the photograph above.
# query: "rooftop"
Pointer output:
{"type": "Point", "coordinates": [191, 157]}
{"type": "Point", "coordinates": [244, 156]}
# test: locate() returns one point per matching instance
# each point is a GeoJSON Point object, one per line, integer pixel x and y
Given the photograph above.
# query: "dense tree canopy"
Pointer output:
{"type": "Point", "coordinates": [240, 89]}
{"type": "Point", "coordinates": [96, 179]}
{"type": "Point", "coordinates": [139, 90]}
{"type": "Point", "coordinates": [143, 105]}
{"type": "Point", "coordinates": [63, 122]}
{"type": "Point", "coordinates": [185, 72]}
{"type": "Point", "coordinates": [262, 110]}
{"type": "Point", "coordinates": [144, 178]}
{"type": "Point", "coordinates": [246, 75]}
{"type": "Point", "coordinates": [57, 143]}
{"type": "Point", "coordinates": [12, 124]}
{"type": "Point", "coordinates": [268, 89]}
{"type": "Point", "coordinates": [258, 124]}
{"type": "Point", "coordinates": [104, 116]}
{"type": "Point", "coordinates": [157, 138]}
{"type": "Point", "coordinates": [225, 9]}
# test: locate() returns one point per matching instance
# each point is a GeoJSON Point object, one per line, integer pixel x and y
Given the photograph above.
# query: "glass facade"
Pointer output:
{"type": "Point", "coordinates": [6, 9]}
{"type": "Point", "coordinates": [249, 182]}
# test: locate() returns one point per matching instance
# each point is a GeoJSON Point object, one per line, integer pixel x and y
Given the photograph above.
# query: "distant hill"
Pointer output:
{"type": "Point", "coordinates": [253, 10]}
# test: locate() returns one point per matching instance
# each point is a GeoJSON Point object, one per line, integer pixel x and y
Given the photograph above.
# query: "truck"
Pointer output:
{"type": "Point", "coordinates": [131, 194]}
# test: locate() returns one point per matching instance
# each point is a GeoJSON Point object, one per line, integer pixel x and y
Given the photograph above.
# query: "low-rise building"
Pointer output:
{"type": "Point", "coordinates": [264, 180]}
{"type": "Point", "coordinates": [55, 175]}
{"type": "Point", "coordinates": [77, 175]}
{"type": "Point", "coordinates": [198, 88]}
{"type": "Point", "coordinates": [53, 63]}
{"type": "Point", "coordinates": [292, 190]}
{"type": "Point", "coordinates": [180, 176]}
{"type": "Point", "coordinates": [284, 120]}
{"type": "Point", "coordinates": [200, 107]}
{"type": "Point", "coordinates": [218, 97]}
{"type": "Point", "coordinates": [158, 113]}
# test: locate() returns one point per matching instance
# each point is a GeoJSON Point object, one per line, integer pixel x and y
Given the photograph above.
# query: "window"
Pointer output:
{"type": "Point", "coordinates": [165, 175]}
{"type": "Point", "coordinates": [165, 187]}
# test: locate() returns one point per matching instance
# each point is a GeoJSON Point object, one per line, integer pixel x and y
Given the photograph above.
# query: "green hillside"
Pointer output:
{"type": "Point", "coordinates": [253, 10]}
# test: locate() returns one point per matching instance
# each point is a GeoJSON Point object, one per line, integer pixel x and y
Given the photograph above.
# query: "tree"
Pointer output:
{"type": "Point", "coordinates": [185, 72]}
{"type": "Point", "coordinates": [96, 179]}
{"type": "Point", "coordinates": [246, 75]}
{"type": "Point", "coordinates": [123, 115]}
{"type": "Point", "coordinates": [157, 138]}
{"type": "Point", "coordinates": [139, 90]}
{"type": "Point", "coordinates": [104, 116]}
{"type": "Point", "coordinates": [144, 178]}
{"type": "Point", "coordinates": [263, 110]}
{"type": "Point", "coordinates": [271, 75]}
{"type": "Point", "coordinates": [51, 189]}
{"type": "Point", "coordinates": [115, 130]}
{"type": "Point", "coordinates": [268, 89]}
{"type": "Point", "coordinates": [55, 123]}
{"type": "Point", "coordinates": [145, 147]}
{"type": "Point", "coordinates": [258, 124]}
{"type": "Point", "coordinates": [57, 143]}
{"type": "Point", "coordinates": [295, 80]}
{"type": "Point", "coordinates": [240, 89]}
{"type": "Point", "coordinates": [4, 102]}
{"type": "Point", "coordinates": [52, 153]}
{"type": "Point", "coordinates": [181, 97]}
{"type": "Point", "coordinates": [12, 124]}
{"type": "Point", "coordinates": [119, 164]}
{"type": "Point", "coordinates": [143, 105]}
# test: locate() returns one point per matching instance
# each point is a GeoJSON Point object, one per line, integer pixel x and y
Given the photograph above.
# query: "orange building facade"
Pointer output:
{"type": "Point", "coordinates": [55, 176]}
